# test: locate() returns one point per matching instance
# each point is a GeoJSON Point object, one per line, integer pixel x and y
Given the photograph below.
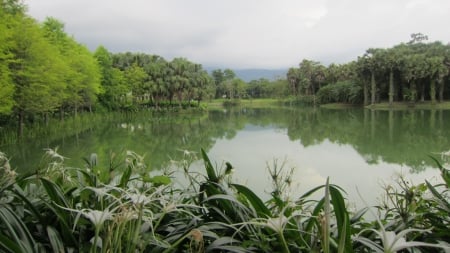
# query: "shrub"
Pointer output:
{"type": "Point", "coordinates": [340, 92]}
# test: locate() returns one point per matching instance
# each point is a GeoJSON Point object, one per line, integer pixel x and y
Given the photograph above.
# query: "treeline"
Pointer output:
{"type": "Point", "coordinates": [142, 79]}
{"type": "Point", "coordinates": [42, 69]}
{"type": "Point", "coordinates": [45, 72]}
{"type": "Point", "coordinates": [409, 72]}
{"type": "Point", "coordinates": [227, 85]}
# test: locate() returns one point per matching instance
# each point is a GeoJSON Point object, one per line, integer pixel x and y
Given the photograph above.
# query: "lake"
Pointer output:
{"type": "Point", "coordinates": [359, 149]}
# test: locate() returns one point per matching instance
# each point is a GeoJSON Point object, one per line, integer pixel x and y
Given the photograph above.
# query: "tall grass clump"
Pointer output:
{"type": "Point", "coordinates": [130, 208]}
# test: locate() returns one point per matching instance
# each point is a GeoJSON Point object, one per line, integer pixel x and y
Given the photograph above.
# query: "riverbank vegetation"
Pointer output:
{"type": "Point", "coordinates": [46, 73]}
{"type": "Point", "coordinates": [126, 208]}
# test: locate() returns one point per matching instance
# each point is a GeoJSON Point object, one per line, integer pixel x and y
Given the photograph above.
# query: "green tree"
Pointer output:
{"type": "Point", "coordinates": [156, 71]}
{"type": "Point", "coordinates": [136, 78]}
{"type": "Point", "coordinates": [82, 74]}
{"type": "Point", "coordinates": [6, 86]}
{"type": "Point", "coordinates": [113, 89]}
{"type": "Point", "coordinates": [37, 71]}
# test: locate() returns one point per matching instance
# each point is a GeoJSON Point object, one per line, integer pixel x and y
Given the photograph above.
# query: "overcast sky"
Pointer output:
{"type": "Point", "coordinates": [248, 33]}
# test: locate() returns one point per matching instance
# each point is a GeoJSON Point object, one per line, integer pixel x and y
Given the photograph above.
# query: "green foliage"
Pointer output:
{"type": "Point", "coordinates": [340, 92]}
{"type": "Point", "coordinates": [135, 210]}
{"type": "Point", "coordinates": [6, 87]}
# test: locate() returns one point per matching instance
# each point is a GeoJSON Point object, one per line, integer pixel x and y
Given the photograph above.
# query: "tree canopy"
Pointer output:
{"type": "Point", "coordinates": [408, 72]}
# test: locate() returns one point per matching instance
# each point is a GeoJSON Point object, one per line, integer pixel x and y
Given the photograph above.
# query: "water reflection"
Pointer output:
{"type": "Point", "coordinates": [351, 146]}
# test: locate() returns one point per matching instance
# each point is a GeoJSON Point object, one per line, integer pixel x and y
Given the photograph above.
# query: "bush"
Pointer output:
{"type": "Point", "coordinates": [340, 92]}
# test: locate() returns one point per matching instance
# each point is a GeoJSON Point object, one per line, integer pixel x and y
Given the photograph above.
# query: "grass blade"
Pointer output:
{"type": "Point", "coordinates": [255, 201]}
{"type": "Point", "coordinates": [325, 222]}
{"type": "Point", "coordinates": [442, 200]}
{"type": "Point", "coordinates": [55, 240]}
{"type": "Point", "coordinates": [342, 217]}
{"type": "Point", "coordinates": [212, 176]}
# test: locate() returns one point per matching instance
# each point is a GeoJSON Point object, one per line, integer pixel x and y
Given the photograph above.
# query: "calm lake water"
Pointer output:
{"type": "Point", "coordinates": [357, 148]}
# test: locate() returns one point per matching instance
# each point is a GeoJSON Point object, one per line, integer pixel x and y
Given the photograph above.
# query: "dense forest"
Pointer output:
{"type": "Point", "coordinates": [45, 73]}
{"type": "Point", "coordinates": [411, 72]}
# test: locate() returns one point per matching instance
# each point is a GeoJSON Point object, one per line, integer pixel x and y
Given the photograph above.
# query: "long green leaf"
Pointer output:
{"type": "Point", "coordinates": [8, 245]}
{"type": "Point", "coordinates": [54, 192]}
{"type": "Point", "coordinates": [209, 168]}
{"type": "Point", "coordinates": [444, 172]}
{"type": "Point", "coordinates": [55, 240]}
{"type": "Point", "coordinates": [343, 234]}
{"type": "Point", "coordinates": [442, 200]}
{"type": "Point", "coordinates": [125, 177]}
{"type": "Point", "coordinates": [19, 193]}
{"type": "Point", "coordinates": [326, 221]}
{"type": "Point", "coordinates": [342, 217]}
{"type": "Point", "coordinates": [255, 201]}
{"type": "Point", "coordinates": [17, 230]}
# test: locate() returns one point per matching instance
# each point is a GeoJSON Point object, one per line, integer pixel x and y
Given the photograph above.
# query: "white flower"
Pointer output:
{"type": "Point", "coordinates": [97, 217]}
{"type": "Point", "coordinates": [393, 242]}
{"type": "Point", "coordinates": [139, 198]}
{"type": "Point", "coordinates": [53, 153]}
{"type": "Point", "coordinates": [277, 224]}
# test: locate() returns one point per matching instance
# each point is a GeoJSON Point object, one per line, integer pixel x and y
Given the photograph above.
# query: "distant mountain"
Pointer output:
{"type": "Point", "coordinates": [254, 74]}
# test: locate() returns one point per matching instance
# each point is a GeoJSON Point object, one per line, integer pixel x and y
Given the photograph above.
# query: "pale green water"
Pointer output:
{"type": "Point", "coordinates": [355, 148]}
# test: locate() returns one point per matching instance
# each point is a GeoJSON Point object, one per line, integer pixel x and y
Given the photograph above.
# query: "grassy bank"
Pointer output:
{"type": "Point", "coordinates": [249, 103]}
{"type": "Point", "coordinates": [427, 105]}
{"type": "Point", "coordinates": [126, 208]}
{"type": "Point", "coordinates": [270, 102]}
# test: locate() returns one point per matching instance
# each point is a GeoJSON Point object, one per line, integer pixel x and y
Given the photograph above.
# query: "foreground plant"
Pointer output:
{"type": "Point", "coordinates": [126, 208]}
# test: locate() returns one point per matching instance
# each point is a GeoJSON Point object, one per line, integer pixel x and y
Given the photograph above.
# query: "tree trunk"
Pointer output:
{"type": "Point", "coordinates": [422, 95]}
{"type": "Point", "coordinates": [366, 94]}
{"type": "Point", "coordinates": [433, 91]}
{"type": "Point", "coordinates": [20, 123]}
{"type": "Point", "coordinates": [46, 119]}
{"type": "Point", "coordinates": [373, 88]}
{"type": "Point", "coordinates": [391, 87]}
{"type": "Point", "coordinates": [413, 92]}
{"type": "Point", "coordinates": [441, 91]}
{"type": "Point", "coordinates": [61, 113]}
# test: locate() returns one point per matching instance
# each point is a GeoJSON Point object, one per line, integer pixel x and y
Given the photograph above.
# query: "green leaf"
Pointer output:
{"type": "Point", "coordinates": [326, 223]}
{"type": "Point", "coordinates": [125, 177]}
{"type": "Point", "coordinates": [54, 192]}
{"type": "Point", "coordinates": [444, 172]}
{"type": "Point", "coordinates": [442, 200]}
{"type": "Point", "coordinates": [160, 180]}
{"type": "Point", "coordinates": [257, 203]}
{"type": "Point", "coordinates": [209, 168]}
{"type": "Point", "coordinates": [55, 240]}
{"type": "Point", "coordinates": [17, 231]}
{"type": "Point", "coordinates": [342, 217]}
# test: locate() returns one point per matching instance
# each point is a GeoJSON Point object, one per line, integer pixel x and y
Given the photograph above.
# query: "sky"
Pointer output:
{"type": "Point", "coordinates": [242, 34]}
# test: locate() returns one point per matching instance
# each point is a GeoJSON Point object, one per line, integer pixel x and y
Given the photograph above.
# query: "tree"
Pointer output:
{"type": "Point", "coordinates": [137, 79]}
{"type": "Point", "coordinates": [37, 71]}
{"type": "Point", "coordinates": [178, 80]}
{"type": "Point", "coordinates": [156, 71]}
{"type": "Point", "coordinates": [113, 89]}
{"type": "Point", "coordinates": [82, 74]}
{"type": "Point", "coordinates": [293, 80]}
{"type": "Point", "coordinates": [6, 86]}
{"type": "Point", "coordinates": [221, 79]}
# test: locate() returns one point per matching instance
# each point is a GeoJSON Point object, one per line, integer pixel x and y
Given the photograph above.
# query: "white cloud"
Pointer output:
{"type": "Point", "coordinates": [250, 33]}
